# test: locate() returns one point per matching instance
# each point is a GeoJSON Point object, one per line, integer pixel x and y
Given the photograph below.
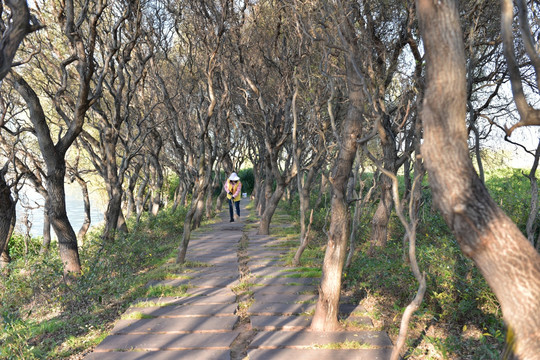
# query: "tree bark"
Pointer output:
{"type": "Point", "coordinates": [182, 250]}
{"type": "Point", "coordinates": [114, 207]}
{"type": "Point", "coordinates": [326, 311]}
{"type": "Point", "coordinates": [7, 210]}
{"type": "Point", "coordinates": [56, 171]}
{"type": "Point", "coordinates": [130, 207]}
{"type": "Point", "coordinates": [46, 243]}
{"type": "Point", "coordinates": [139, 200]}
{"type": "Point", "coordinates": [270, 209]}
{"type": "Point", "coordinates": [304, 199]}
{"type": "Point", "coordinates": [533, 209]}
{"type": "Point", "coordinates": [322, 189]}
{"type": "Point", "coordinates": [504, 256]}
{"type": "Point", "coordinates": [87, 216]}
{"type": "Point", "coordinates": [18, 27]}
{"type": "Point", "coordinates": [379, 233]}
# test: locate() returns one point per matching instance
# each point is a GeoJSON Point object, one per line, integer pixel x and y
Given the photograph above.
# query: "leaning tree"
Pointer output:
{"type": "Point", "coordinates": [484, 232]}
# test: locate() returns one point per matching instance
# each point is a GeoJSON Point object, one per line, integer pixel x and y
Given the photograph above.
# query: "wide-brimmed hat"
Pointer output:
{"type": "Point", "coordinates": [234, 177]}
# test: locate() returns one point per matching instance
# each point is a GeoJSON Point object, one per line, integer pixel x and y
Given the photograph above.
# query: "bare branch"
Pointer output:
{"type": "Point", "coordinates": [528, 115]}
{"type": "Point", "coordinates": [22, 24]}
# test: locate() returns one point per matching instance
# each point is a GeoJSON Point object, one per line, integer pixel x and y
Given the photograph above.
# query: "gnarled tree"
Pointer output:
{"type": "Point", "coordinates": [504, 256]}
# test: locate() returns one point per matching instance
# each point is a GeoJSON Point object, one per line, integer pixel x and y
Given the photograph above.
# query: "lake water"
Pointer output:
{"type": "Point", "coordinates": [32, 204]}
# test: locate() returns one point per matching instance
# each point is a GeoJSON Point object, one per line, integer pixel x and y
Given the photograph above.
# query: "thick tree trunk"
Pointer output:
{"type": "Point", "coordinates": [67, 240]}
{"type": "Point", "coordinates": [257, 183]}
{"type": "Point", "coordinates": [209, 200]}
{"type": "Point", "coordinates": [379, 233]}
{"type": "Point", "coordinates": [271, 206]}
{"type": "Point", "coordinates": [54, 156]}
{"type": "Point", "coordinates": [112, 213]}
{"type": "Point", "coordinates": [199, 211]}
{"type": "Point", "coordinates": [505, 257]}
{"type": "Point", "coordinates": [326, 311]}
{"type": "Point", "coordinates": [182, 250]}
{"type": "Point", "coordinates": [379, 228]}
{"type": "Point", "coordinates": [220, 200]}
{"type": "Point", "coordinates": [184, 197]}
{"type": "Point", "coordinates": [5, 259]}
{"type": "Point", "coordinates": [121, 226]}
{"type": "Point", "coordinates": [18, 27]}
{"type": "Point", "coordinates": [261, 202]}
{"type": "Point", "coordinates": [266, 192]}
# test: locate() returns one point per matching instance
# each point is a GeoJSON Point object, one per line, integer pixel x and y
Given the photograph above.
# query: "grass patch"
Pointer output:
{"type": "Point", "coordinates": [300, 269]}
{"type": "Point", "coordinates": [242, 287]}
{"type": "Point", "coordinates": [196, 264]}
{"type": "Point", "coordinates": [312, 273]}
{"type": "Point", "coordinates": [283, 244]}
{"type": "Point", "coordinates": [357, 325]}
{"type": "Point", "coordinates": [136, 315]}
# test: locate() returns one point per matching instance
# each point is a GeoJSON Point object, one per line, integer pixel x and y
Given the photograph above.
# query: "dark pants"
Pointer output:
{"type": "Point", "coordinates": [231, 210]}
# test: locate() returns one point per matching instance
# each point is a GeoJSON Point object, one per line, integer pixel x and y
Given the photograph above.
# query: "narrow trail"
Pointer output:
{"type": "Point", "coordinates": [242, 303]}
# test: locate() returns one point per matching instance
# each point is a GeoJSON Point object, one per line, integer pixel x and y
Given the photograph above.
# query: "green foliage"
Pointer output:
{"type": "Point", "coordinates": [248, 180]}
{"type": "Point", "coordinates": [511, 191]}
{"type": "Point", "coordinates": [65, 320]}
{"type": "Point", "coordinates": [20, 246]}
{"type": "Point", "coordinates": [174, 181]}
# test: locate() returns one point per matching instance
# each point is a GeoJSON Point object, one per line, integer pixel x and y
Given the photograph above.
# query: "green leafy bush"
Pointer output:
{"type": "Point", "coordinates": [248, 180]}
{"type": "Point", "coordinates": [20, 246]}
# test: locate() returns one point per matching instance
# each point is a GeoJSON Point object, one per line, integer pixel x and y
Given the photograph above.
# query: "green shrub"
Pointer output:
{"type": "Point", "coordinates": [248, 180]}
{"type": "Point", "coordinates": [20, 246]}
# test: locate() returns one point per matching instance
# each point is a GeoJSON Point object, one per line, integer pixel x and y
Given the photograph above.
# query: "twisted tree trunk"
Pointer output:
{"type": "Point", "coordinates": [485, 233]}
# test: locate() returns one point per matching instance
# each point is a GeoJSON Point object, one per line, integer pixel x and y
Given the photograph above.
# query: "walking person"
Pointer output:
{"type": "Point", "coordinates": [233, 187]}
